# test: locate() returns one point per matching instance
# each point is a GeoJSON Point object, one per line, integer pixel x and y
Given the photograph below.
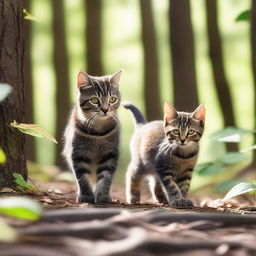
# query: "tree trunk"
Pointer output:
{"type": "Point", "coordinates": [11, 72]}
{"type": "Point", "coordinates": [253, 61]}
{"type": "Point", "coordinates": [216, 57]}
{"type": "Point", "coordinates": [94, 37]}
{"type": "Point", "coordinates": [30, 140]}
{"type": "Point", "coordinates": [62, 75]}
{"type": "Point", "coordinates": [151, 66]}
{"type": "Point", "coordinates": [183, 56]}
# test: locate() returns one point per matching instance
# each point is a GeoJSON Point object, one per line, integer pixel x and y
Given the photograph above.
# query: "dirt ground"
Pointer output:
{"type": "Point", "coordinates": [68, 228]}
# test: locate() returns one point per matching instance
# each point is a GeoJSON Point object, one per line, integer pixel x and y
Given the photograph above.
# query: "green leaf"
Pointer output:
{"type": "Point", "coordinates": [244, 16]}
{"type": "Point", "coordinates": [233, 158]}
{"type": "Point", "coordinates": [227, 185]}
{"type": "Point", "coordinates": [240, 189]}
{"type": "Point", "coordinates": [2, 157]}
{"type": "Point", "coordinates": [23, 185]}
{"type": "Point", "coordinates": [34, 130]}
{"type": "Point", "coordinates": [229, 134]}
{"type": "Point", "coordinates": [7, 233]}
{"type": "Point", "coordinates": [21, 207]}
{"type": "Point", "coordinates": [5, 90]}
{"type": "Point", "coordinates": [210, 169]}
{"type": "Point", "coordinates": [28, 16]}
{"type": "Point", "coordinates": [248, 149]}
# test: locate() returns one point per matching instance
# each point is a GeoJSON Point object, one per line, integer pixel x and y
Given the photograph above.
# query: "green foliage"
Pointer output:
{"type": "Point", "coordinates": [7, 233]}
{"type": "Point", "coordinates": [28, 16]}
{"type": "Point", "coordinates": [221, 164]}
{"type": "Point", "coordinates": [2, 156]}
{"type": "Point", "coordinates": [230, 134]}
{"type": "Point", "coordinates": [34, 130]}
{"type": "Point", "coordinates": [22, 185]}
{"type": "Point", "coordinates": [244, 16]}
{"type": "Point", "coordinates": [21, 207]}
{"type": "Point", "coordinates": [240, 189]}
{"type": "Point", "coordinates": [5, 90]}
{"type": "Point", "coordinates": [226, 185]}
{"type": "Point", "coordinates": [248, 149]}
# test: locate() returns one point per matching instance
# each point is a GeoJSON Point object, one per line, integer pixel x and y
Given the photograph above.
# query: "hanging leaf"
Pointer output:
{"type": "Point", "coordinates": [21, 207]}
{"type": "Point", "coordinates": [248, 149]}
{"type": "Point", "coordinates": [240, 189]}
{"type": "Point", "coordinates": [229, 134]}
{"type": "Point", "coordinates": [244, 16]}
{"type": "Point", "coordinates": [210, 169]}
{"type": "Point", "coordinates": [5, 90]}
{"type": "Point", "coordinates": [2, 157]}
{"type": "Point", "coordinates": [226, 185]}
{"type": "Point", "coordinates": [233, 158]}
{"type": "Point", "coordinates": [28, 16]}
{"type": "Point", "coordinates": [34, 130]}
{"type": "Point", "coordinates": [23, 185]}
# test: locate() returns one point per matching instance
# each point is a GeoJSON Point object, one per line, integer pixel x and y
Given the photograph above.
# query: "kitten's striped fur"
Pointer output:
{"type": "Point", "coordinates": [166, 153]}
{"type": "Point", "coordinates": [92, 135]}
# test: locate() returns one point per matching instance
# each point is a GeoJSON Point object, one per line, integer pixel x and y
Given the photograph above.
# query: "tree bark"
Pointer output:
{"type": "Point", "coordinates": [183, 56]}
{"type": "Point", "coordinates": [151, 63]}
{"type": "Point", "coordinates": [30, 140]}
{"type": "Point", "coordinates": [11, 72]}
{"type": "Point", "coordinates": [94, 37]}
{"type": "Point", "coordinates": [216, 57]}
{"type": "Point", "coordinates": [62, 76]}
{"type": "Point", "coordinates": [253, 61]}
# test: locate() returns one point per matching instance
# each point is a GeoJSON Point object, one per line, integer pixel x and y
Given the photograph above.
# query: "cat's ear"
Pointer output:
{"type": "Point", "coordinates": [170, 112]}
{"type": "Point", "coordinates": [199, 113]}
{"type": "Point", "coordinates": [115, 78]}
{"type": "Point", "coordinates": [83, 79]}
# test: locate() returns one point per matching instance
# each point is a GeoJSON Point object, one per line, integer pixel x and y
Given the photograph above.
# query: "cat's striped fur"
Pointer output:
{"type": "Point", "coordinates": [92, 135]}
{"type": "Point", "coordinates": [166, 153]}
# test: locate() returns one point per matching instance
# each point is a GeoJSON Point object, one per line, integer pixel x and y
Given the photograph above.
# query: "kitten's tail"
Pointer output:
{"type": "Point", "coordinates": [138, 117]}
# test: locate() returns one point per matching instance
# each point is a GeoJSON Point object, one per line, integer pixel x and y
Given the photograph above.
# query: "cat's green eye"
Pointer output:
{"type": "Point", "coordinates": [112, 99]}
{"type": "Point", "coordinates": [95, 100]}
{"type": "Point", "coordinates": [176, 132]}
{"type": "Point", "coordinates": [191, 132]}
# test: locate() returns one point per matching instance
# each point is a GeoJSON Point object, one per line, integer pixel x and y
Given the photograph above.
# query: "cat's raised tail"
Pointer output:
{"type": "Point", "coordinates": [137, 115]}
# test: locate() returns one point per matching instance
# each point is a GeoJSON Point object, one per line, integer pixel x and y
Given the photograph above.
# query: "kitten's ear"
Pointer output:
{"type": "Point", "coordinates": [199, 113]}
{"type": "Point", "coordinates": [83, 79]}
{"type": "Point", "coordinates": [115, 78]}
{"type": "Point", "coordinates": [169, 112]}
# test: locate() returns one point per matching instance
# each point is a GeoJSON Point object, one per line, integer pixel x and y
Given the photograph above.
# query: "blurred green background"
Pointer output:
{"type": "Point", "coordinates": [122, 47]}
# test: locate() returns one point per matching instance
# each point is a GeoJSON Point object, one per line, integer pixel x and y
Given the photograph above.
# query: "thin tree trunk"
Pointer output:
{"type": "Point", "coordinates": [94, 37]}
{"type": "Point", "coordinates": [253, 61]}
{"type": "Point", "coordinates": [216, 56]}
{"type": "Point", "coordinates": [62, 75]}
{"type": "Point", "coordinates": [151, 63]}
{"type": "Point", "coordinates": [30, 141]}
{"type": "Point", "coordinates": [11, 72]}
{"type": "Point", "coordinates": [183, 56]}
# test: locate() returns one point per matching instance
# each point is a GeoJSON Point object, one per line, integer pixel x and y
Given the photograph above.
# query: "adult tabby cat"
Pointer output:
{"type": "Point", "coordinates": [92, 135]}
{"type": "Point", "coordinates": [166, 152]}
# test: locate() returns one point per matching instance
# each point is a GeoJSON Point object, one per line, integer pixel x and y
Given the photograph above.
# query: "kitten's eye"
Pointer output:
{"type": "Point", "coordinates": [191, 132]}
{"type": "Point", "coordinates": [95, 100]}
{"type": "Point", "coordinates": [112, 99]}
{"type": "Point", "coordinates": [176, 132]}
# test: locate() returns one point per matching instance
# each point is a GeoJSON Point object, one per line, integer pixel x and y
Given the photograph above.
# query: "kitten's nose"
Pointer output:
{"type": "Point", "coordinates": [104, 110]}
{"type": "Point", "coordinates": [182, 141]}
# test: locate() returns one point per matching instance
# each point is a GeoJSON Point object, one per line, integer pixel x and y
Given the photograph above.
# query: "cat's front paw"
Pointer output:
{"type": "Point", "coordinates": [103, 199]}
{"type": "Point", "coordinates": [181, 202]}
{"type": "Point", "coordinates": [85, 199]}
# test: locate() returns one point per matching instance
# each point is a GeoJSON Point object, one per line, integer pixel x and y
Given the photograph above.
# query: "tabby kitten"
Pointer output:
{"type": "Point", "coordinates": [166, 152]}
{"type": "Point", "coordinates": [92, 135]}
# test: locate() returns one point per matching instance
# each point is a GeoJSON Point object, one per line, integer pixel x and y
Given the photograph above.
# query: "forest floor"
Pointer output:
{"type": "Point", "coordinates": [68, 228]}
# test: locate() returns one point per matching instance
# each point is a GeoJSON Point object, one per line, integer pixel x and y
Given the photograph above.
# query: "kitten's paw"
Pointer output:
{"type": "Point", "coordinates": [103, 199]}
{"type": "Point", "coordinates": [133, 200]}
{"type": "Point", "coordinates": [85, 199]}
{"type": "Point", "coordinates": [181, 202]}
